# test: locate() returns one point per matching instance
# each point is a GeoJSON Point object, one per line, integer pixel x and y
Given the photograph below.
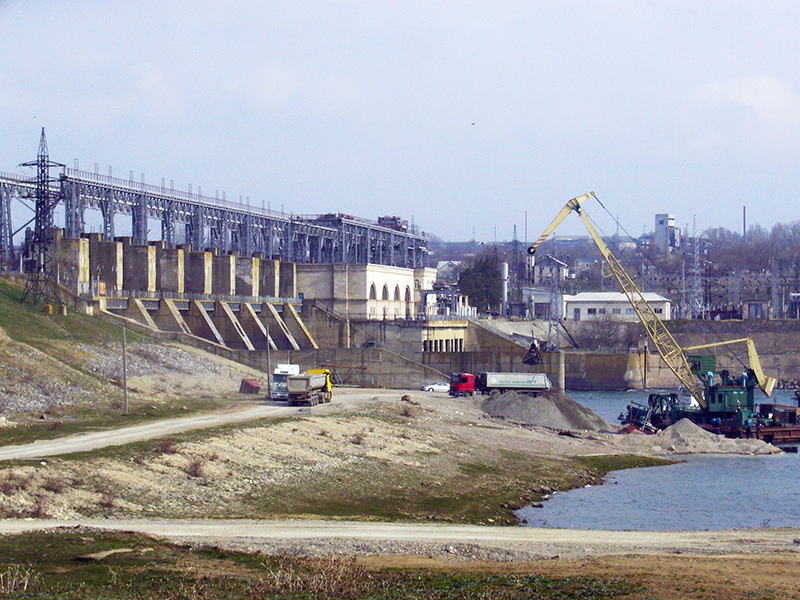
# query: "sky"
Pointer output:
{"type": "Point", "coordinates": [465, 118]}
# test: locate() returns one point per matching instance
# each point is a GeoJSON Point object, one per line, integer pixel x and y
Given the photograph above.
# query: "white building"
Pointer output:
{"type": "Point", "coordinates": [367, 291]}
{"type": "Point", "coordinates": [597, 305]}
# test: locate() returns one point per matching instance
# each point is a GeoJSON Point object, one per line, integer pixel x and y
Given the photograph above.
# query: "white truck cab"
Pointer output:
{"type": "Point", "coordinates": [279, 376]}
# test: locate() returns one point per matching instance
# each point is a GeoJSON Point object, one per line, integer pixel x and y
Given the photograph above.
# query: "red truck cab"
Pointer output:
{"type": "Point", "coordinates": [462, 384]}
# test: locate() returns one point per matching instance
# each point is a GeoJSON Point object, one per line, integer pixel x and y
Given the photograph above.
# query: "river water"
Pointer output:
{"type": "Point", "coordinates": [704, 492]}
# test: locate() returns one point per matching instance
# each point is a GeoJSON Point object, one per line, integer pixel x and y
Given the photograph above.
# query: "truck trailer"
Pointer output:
{"type": "Point", "coordinates": [311, 388]}
{"type": "Point", "coordinates": [466, 384]}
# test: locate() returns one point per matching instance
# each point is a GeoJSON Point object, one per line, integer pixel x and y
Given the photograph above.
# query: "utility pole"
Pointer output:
{"type": "Point", "coordinates": [124, 372]}
{"type": "Point", "coordinates": [553, 326]}
{"type": "Point", "coordinates": [41, 281]}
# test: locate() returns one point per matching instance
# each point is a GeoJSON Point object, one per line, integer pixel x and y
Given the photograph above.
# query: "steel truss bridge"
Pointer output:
{"type": "Point", "coordinates": [213, 223]}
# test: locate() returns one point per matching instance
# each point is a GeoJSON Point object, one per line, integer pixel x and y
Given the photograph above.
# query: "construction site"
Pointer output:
{"type": "Point", "coordinates": [122, 406]}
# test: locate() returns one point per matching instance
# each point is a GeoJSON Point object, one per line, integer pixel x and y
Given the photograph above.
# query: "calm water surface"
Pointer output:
{"type": "Point", "coordinates": [705, 492]}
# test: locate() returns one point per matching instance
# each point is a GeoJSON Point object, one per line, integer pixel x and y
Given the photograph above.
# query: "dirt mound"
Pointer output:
{"type": "Point", "coordinates": [554, 410]}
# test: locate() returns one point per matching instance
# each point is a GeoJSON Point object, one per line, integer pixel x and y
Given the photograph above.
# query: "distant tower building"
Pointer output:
{"type": "Point", "coordinates": [666, 236]}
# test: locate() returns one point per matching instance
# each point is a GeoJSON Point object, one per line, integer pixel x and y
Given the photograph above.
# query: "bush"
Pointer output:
{"type": "Point", "coordinates": [195, 468]}
{"type": "Point", "coordinates": [55, 484]}
{"type": "Point", "coordinates": [167, 447]}
{"type": "Point", "coordinates": [408, 411]}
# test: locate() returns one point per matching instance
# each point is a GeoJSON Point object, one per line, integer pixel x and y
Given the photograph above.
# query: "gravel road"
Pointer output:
{"type": "Point", "coordinates": [82, 442]}
{"type": "Point", "coordinates": [321, 538]}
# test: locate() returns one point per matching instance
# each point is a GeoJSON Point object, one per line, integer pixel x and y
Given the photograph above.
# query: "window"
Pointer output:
{"type": "Point", "coordinates": [601, 311]}
{"type": "Point", "coordinates": [628, 311]}
{"type": "Point", "coordinates": [616, 311]}
{"type": "Point", "coordinates": [385, 295]}
{"type": "Point", "coordinates": [372, 292]}
{"type": "Point", "coordinates": [591, 311]}
{"type": "Point", "coordinates": [658, 311]}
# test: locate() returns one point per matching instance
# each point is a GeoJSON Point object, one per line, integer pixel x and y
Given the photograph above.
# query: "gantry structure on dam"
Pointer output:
{"type": "Point", "coordinates": [213, 223]}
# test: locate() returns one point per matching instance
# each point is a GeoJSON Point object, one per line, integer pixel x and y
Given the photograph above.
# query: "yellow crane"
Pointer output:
{"type": "Point", "coordinates": [662, 339]}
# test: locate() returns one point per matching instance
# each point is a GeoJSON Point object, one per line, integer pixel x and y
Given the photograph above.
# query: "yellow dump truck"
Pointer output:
{"type": "Point", "coordinates": [311, 387]}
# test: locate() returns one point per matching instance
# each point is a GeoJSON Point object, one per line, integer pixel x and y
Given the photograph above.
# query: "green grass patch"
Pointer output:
{"type": "Point", "coordinates": [616, 462]}
{"type": "Point", "coordinates": [58, 564]}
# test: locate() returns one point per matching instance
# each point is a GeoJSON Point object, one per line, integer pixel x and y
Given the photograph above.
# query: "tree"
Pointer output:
{"type": "Point", "coordinates": [481, 283]}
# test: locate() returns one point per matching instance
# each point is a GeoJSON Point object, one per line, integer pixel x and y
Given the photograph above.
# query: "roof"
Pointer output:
{"type": "Point", "coordinates": [612, 297]}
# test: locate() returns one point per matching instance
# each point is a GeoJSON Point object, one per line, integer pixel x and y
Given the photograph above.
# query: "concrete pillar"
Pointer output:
{"type": "Point", "coordinates": [171, 274]}
{"type": "Point", "coordinates": [138, 266]}
{"type": "Point", "coordinates": [223, 275]}
{"type": "Point", "coordinates": [288, 280]}
{"type": "Point", "coordinates": [247, 275]}
{"type": "Point", "coordinates": [72, 257]}
{"type": "Point", "coordinates": [198, 272]}
{"type": "Point", "coordinates": [105, 261]}
{"type": "Point", "coordinates": [270, 277]}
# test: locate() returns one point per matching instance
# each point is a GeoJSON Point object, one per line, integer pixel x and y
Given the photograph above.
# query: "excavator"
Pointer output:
{"type": "Point", "coordinates": [721, 403]}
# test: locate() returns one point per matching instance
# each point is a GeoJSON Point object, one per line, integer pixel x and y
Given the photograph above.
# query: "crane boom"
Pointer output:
{"type": "Point", "coordinates": [662, 339]}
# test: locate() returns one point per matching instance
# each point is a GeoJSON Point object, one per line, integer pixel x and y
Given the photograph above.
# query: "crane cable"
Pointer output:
{"type": "Point", "coordinates": [666, 278]}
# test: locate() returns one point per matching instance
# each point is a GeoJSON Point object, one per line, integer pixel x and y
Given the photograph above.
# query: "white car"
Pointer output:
{"type": "Point", "coordinates": [439, 386]}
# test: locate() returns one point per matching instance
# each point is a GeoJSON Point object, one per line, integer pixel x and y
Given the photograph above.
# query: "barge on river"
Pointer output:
{"type": "Point", "coordinates": [730, 408]}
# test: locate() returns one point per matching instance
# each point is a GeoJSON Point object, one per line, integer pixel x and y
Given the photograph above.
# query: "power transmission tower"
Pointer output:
{"type": "Point", "coordinates": [697, 277]}
{"type": "Point", "coordinates": [41, 281]}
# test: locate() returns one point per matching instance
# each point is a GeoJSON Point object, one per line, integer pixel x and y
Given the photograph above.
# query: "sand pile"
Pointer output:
{"type": "Point", "coordinates": [554, 410]}
{"type": "Point", "coordinates": [685, 436]}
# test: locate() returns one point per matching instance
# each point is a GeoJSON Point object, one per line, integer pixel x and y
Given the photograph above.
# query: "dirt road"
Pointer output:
{"type": "Point", "coordinates": [83, 442]}
{"type": "Point", "coordinates": [316, 537]}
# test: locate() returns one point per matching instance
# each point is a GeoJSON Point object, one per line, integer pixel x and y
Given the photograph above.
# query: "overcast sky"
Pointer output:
{"type": "Point", "coordinates": [459, 115]}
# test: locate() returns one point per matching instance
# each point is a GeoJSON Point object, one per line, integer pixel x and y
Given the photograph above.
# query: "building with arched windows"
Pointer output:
{"type": "Point", "coordinates": [367, 292]}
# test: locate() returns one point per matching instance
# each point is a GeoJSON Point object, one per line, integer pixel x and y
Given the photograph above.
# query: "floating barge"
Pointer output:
{"type": "Point", "coordinates": [730, 408]}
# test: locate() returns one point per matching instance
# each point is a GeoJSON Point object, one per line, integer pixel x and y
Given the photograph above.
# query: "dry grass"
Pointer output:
{"type": "Point", "coordinates": [17, 580]}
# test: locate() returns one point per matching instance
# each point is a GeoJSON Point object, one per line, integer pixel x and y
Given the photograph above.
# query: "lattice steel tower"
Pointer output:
{"type": "Point", "coordinates": [41, 281]}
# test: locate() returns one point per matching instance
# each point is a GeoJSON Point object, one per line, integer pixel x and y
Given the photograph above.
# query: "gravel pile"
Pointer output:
{"type": "Point", "coordinates": [554, 410]}
{"type": "Point", "coordinates": [686, 437]}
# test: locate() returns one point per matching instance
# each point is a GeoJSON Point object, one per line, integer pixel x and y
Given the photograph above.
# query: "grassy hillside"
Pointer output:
{"type": "Point", "coordinates": [63, 373]}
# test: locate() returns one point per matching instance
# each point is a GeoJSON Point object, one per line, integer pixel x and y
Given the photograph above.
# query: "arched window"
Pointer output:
{"type": "Point", "coordinates": [408, 294]}
{"type": "Point", "coordinates": [385, 295]}
{"type": "Point", "coordinates": [373, 295]}
{"type": "Point", "coordinates": [397, 293]}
